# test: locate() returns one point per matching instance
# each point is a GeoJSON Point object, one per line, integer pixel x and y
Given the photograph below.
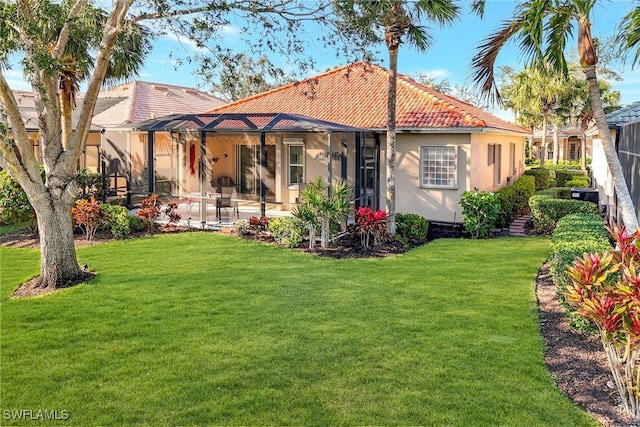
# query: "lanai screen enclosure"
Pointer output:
{"type": "Point", "coordinates": [260, 160]}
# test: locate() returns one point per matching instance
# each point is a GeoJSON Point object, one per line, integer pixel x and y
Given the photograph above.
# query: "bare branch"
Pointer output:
{"type": "Point", "coordinates": [64, 33]}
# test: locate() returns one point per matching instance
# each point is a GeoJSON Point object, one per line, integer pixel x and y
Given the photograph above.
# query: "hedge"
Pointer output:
{"type": "Point", "coordinates": [575, 234]}
{"type": "Point", "coordinates": [555, 192]}
{"type": "Point", "coordinates": [578, 182]}
{"type": "Point", "coordinates": [547, 211]}
{"type": "Point", "coordinates": [542, 176]}
{"type": "Point", "coordinates": [514, 198]}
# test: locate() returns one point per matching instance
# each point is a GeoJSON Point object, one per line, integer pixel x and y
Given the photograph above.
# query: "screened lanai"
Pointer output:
{"type": "Point", "coordinates": [220, 167]}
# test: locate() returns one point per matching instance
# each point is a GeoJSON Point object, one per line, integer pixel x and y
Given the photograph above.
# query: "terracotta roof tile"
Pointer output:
{"type": "Point", "coordinates": [356, 95]}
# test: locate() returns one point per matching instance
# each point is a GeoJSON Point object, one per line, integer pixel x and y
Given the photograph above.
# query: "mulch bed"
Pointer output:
{"type": "Point", "coordinates": [575, 360]}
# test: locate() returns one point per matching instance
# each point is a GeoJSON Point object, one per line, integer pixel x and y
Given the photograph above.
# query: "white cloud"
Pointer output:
{"type": "Point", "coordinates": [15, 80]}
{"type": "Point", "coordinates": [184, 42]}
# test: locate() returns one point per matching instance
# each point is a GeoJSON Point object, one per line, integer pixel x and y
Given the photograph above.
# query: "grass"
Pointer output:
{"type": "Point", "coordinates": [204, 329]}
{"type": "Point", "coordinates": [4, 229]}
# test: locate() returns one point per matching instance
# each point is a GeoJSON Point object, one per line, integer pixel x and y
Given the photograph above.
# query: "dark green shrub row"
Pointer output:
{"type": "Point", "coordinates": [555, 192]}
{"type": "Point", "coordinates": [515, 198]}
{"type": "Point", "coordinates": [542, 176]}
{"type": "Point", "coordinates": [574, 235]}
{"type": "Point", "coordinates": [410, 226]}
{"type": "Point", "coordinates": [546, 211]}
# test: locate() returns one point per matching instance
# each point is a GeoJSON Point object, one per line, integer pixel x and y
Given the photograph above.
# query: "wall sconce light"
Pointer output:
{"type": "Point", "coordinates": [226, 155]}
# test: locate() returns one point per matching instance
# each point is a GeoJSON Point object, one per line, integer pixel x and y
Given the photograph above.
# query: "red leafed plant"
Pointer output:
{"type": "Point", "coordinates": [88, 215]}
{"type": "Point", "coordinates": [149, 211]}
{"type": "Point", "coordinates": [605, 288]}
{"type": "Point", "coordinates": [371, 225]}
{"type": "Point", "coordinates": [170, 212]}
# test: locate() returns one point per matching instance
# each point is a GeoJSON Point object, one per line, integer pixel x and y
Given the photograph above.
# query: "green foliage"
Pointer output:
{"type": "Point", "coordinates": [562, 176]}
{"type": "Point", "coordinates": [546, 211]}
{"type": "Point", "coordinates": [574, 235]}
{"type": "Point", "coordinates": [322, 208]}
{"type": "Point", "coordinates": [555, 193]}
{"type": "Point", "coordinates": [118, 220]}
{"type": "Point", "coordinates": [515, 198]}
{"type": "Point", "coordinates": [411, 226]}
{"type": "Point", "coordinates": [89, 185]}
{"type": "Point", "coordinates": [578, 183]}
{"type": "Point", "coordinates": [14, 206]}
{"type": "Point", "coordinates": [288, 231]}
{"type": "Point", "coordinates": [605, 289]}
{"type": "Point", "coordinates": [480, 212]}
{"type": "Point", "coordinates": [542, 176]}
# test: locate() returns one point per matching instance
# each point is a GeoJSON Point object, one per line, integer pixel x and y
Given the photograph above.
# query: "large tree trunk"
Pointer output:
{"type": "Point", "coordinates": [59, 266]}
{"type": "Point", "coordinates": [625, 203]}
{"type": "Point", "coordinates": [391, 141]}
{"type": "Point", "coordinates": [583, 144]}
{"type": "Point", "coordinates": [556, 145]}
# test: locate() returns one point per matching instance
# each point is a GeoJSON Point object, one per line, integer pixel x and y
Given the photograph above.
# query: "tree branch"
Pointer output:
{"type": "Point", "coordinates": [63, 37]}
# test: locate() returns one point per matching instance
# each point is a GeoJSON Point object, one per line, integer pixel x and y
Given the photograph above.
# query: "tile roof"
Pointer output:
{"type": "Point", "coordinates": [144, 100]}
{"type": "Point", "coordinates": [627, 114]}
{"type": "Point", "coordinates": [356, 95]}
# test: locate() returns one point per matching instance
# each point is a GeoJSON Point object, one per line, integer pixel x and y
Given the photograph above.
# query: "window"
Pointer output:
{"type": "Point", "coordinates": [438, 167]}
{"type": "Point", "coordinates": [296, 164]}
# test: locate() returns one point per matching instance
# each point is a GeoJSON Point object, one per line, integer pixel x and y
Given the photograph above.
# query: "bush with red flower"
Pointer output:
{"type": "Point", "coordinates": [371, 226]}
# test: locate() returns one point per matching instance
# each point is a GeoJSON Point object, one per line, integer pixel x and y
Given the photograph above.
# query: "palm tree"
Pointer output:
{"type": "Point", "coordinates": [535, 93]}
{"type": "Point", "coordinates": [396, 19]}
{"type": "Point", "coordinates": [542, 27]}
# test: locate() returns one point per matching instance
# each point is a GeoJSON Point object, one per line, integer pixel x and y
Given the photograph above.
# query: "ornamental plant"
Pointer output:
{"type": "Point", "coordinates": [605, 288]}
{"type": "Point", "coordinates": [371, 226]}
{"type": "Point", "coordinates": [480, 212]}
{"type": "Point", "coordinates": [88, 215]}
{"type": "Point", "coordinates": [149, 211]}
{"type": "Point", "coordinates": [170, 212]}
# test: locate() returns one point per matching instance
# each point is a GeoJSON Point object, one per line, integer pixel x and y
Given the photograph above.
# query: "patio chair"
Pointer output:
{"type": "Point", "coordinates": [227, 200]}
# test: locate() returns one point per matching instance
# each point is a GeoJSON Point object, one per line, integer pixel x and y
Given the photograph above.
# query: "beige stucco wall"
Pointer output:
{"type": "Point", "coordinates": [431, 203]}
{"type": "Point", "coordinates": [473, 171]}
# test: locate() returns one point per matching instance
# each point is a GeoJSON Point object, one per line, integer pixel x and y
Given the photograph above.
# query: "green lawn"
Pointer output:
{"type": "Point", "coordinates": [205, 329]}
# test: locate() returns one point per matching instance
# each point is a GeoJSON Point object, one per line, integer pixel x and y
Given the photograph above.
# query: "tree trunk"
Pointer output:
{"type": "Point", "coordinates": [391, 141]}
{"type": "Point", "coordinates": [625, 203]}
{"type": "Point", "coordinates": [583, 145]}
{"type": "Point", "coordinates": [556, 145]}
{"type": "Point", "coordinates": [543, 155]}
{"type": "Point", "coordinates": [59, 266]}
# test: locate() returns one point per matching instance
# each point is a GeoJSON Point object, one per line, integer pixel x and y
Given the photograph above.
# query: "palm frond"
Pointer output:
{"type": "Point", "coordinates": [628, 34]}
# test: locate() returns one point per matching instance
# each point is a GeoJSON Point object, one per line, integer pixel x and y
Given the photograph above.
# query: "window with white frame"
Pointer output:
{"type": "Point", "coordinates": [438, 166]}
{"type": "Point", "coordinates": [295, 156]}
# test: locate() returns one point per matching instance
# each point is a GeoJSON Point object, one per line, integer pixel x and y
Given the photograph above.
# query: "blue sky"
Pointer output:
{"type": "Point", "coordinates": [448, 57]}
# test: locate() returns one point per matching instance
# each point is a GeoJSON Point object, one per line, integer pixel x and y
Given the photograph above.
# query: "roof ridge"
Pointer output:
{"type": "Point", "coordinates": [294, 84]}
{"type": "Point", "coordinates": [446, 100]}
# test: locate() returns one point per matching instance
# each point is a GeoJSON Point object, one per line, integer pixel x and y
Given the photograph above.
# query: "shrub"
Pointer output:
{"type": "Point", "coordinates": [322, 208]}
{"type": "Point", "coordinates": [258, 225]}
{"type": "Point", "coordinates": [605, 288]}
{"type": "Point", "coordinates": [546, 211]}
{"type": "Point", "coordinates": [170, 212]}
{"type": "Point", "coordinates": [411, 226]}
{"type": "Point", "coordinates": [118, 220]}
{"type": "Point", "coordinates": [542, 177]}
{"type": "Point", "coordinates": [578, 182]}
{"type": "Point", "coordinates": [480, 212]}
{"type": "Point", "coordinates": [15, 208]}
{"type": "Point", "coordinates": [574, 235]}
{"type": "Point", "coordinates": [149, 211]}
{"type": "Point", "coordinates": [288, 231]}
{"type": "Point", "coordinates": [241, 227]}
{"type": "Point", "coordinates": [371, 226]}
{"type": "Point", "coordinates": [88, 215]}
{"type": "Point", "coordinates": [555, 193]}
{"type": "Point", "coordinates": [562, 176]}
{"type": "Point", "coordinates": [89, 185]}
{"type": "Point", "coordinates": [515, 198]}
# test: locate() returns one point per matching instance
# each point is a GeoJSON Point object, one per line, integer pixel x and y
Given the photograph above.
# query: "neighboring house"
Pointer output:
{"type": "Point", "coordinates": [444, 146]}
{"type": "Point", "coordinates": [624, 125]}
{"type": "Point", "coordinates": [569, 143]}
{"type": "Point", "coordinates": [125, 103]}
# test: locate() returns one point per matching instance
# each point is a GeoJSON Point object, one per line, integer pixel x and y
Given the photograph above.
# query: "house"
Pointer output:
{"type": "Point", "coordinates": [569, 143]}
{"type": "Point", "coordinates": [624, 125]}
{"type": "Point", "coordinates": [125, 103]}
{"type": "Point", "coordinates": [444, 146]}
